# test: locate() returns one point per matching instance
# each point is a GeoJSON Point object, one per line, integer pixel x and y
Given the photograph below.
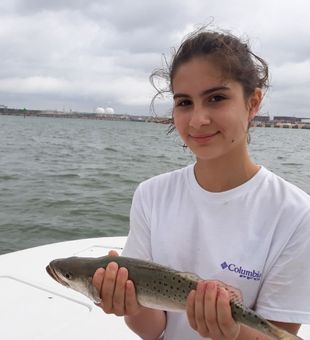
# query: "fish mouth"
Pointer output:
{"type": "Point", "coordinates": [53, 273]}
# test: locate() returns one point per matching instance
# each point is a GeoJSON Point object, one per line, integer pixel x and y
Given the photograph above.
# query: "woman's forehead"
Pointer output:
{"type": "Point", "coordinates": [198, 69]}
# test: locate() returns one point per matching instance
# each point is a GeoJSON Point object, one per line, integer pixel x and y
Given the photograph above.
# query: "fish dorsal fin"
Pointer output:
{"type": "Point", "coordinates": [190, 276]}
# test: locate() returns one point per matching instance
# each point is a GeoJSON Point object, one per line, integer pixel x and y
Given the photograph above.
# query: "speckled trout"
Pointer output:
{"type": "Point", "coordinates": [157, 287]}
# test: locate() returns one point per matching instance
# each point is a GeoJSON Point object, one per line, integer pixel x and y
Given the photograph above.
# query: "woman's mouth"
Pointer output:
{"type": "Point", "coordinates": [203, 138]}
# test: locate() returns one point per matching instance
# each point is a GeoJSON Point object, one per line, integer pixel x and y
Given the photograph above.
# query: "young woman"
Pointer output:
{"type": "Point", "coordinates": [224, 218]}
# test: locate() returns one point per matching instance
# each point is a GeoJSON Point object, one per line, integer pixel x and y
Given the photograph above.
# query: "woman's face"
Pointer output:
{"type": "Point", "coordinates": [210, 113]}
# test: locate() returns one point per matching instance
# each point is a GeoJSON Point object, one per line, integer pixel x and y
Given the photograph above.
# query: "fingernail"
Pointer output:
{"type": "Point", "coordinates": [223, 292]}
{"type": "Point", "coordinates": [201, 285]}
{"type": "Point", "coordinates": [122, 272]}
{"type": "Point", "coordinates": [100, 271]}
{"type": "Point", "coordinates": [211, 285]}
{"type": "Point", "coordinates": [112, 266]}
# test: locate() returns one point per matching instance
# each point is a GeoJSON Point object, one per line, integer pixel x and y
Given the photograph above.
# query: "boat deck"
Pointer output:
{"type": "Point", "coordinates": [34, 307]}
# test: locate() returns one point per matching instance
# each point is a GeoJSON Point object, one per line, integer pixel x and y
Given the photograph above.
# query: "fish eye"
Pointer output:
{"type": "Point", "coordinates": [68, 275]}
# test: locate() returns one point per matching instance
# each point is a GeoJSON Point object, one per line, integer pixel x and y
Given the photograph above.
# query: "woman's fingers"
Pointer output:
{"type": "Point", "coordinates": [190, 309]}
{"type": "Point", "coordinates": [228, 326]}
{"type": "Point", "coordinates": [98, 280]}
{"type": "Point", "coordinates": [99, 275]}
{"type": "Point", "coordinates": [131, 303]}
{"type": "Point", "coordinates": [202, 327]}
{"type": "Point", "coordinates": [210, 310]}
{"type": "Point", "coordinates": [119, 292]}
{"type": "Point", "coordinates": [209, 313]}
{"type": "Point", "coordinates": [108, 286]}
{"type": "Point", "coordinates": [113, 253]}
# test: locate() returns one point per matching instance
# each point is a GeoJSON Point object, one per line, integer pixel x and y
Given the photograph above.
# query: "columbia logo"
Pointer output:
{"type": "Point", "coordinates": [224, 265]}
{"type": "Point", "coordinates": [243, 273]}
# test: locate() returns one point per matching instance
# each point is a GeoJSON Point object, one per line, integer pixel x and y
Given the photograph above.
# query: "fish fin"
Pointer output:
{"type": "Point", "coordinates": [93, 293]}
{"type": "Point", "coordinates": [281, 334]}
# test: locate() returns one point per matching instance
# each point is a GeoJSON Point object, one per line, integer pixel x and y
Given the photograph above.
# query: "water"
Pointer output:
{"type": "Point", "coordinates": [63, 179]}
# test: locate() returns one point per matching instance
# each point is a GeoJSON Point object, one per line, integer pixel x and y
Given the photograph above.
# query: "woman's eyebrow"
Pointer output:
{"type": "Point", "coordinates": [205, 92]}
{"type": "Point", "coordinates": [214, 89]}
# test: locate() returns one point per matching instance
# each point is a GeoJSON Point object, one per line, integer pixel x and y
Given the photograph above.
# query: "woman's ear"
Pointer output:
{"type": "Point", "coordinates": [254, 103]}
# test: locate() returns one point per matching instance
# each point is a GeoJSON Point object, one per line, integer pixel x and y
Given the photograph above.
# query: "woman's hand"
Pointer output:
{"type": "Point", "coordinates": [209, 313]}
{"type": "Point", "coordinates": [117, 293]}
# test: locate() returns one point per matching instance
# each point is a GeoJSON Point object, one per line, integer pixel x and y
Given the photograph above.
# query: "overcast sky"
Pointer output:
{"type": "Point", "coordinates": [81, 54]}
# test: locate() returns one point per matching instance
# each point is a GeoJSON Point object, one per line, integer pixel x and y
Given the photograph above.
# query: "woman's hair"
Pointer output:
{"type": "Point", "coordinates": [233, 57]}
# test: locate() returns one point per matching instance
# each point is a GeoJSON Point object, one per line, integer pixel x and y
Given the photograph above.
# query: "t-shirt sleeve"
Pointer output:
{"type": "Point", "coordinates": [285, 293]}
{"type": "Point", "coordinates": [138, 244]}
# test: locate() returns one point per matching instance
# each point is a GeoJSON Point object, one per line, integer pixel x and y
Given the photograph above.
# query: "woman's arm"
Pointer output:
{"type": "Point", "coordinates": [149, 324]}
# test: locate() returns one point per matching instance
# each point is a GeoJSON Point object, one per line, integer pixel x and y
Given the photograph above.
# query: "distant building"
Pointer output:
{"type": "Point", "coordinates": [261, 119]}
{"type": "Point", "coordinates": [100, 111]}
{"type": "Point", "coordinates": [138, 118]}
{"type": "Point", "coordinates": [305, 120]}
{"type": "Point", "coordinates": [286, 119]}
{"type": "Point", "coordinates": [109, 110]}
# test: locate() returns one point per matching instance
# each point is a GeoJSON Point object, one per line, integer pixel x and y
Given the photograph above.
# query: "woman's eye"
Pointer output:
{"type": "Point", "coordinates": [217, 98]}
{"type": "Point", "coordinates": [183, 103]}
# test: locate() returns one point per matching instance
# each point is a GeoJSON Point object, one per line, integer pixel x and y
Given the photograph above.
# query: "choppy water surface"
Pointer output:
{"type": "Point", "coordinates": [64, 179]}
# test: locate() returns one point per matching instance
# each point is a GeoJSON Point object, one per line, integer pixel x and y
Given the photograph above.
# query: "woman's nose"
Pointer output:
{"type": "Point", "coordinates": [199, 117]}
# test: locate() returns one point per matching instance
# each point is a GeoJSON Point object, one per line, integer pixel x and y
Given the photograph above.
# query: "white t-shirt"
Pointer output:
{"type": "Point", "coordinates": [255, 237]}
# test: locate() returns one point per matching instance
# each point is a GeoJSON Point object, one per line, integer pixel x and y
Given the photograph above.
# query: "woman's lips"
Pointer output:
{"type": "Point", "coordinates": [202, 139]}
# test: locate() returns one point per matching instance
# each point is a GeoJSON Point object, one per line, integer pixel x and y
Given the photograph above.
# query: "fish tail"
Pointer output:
{"type": "Point", "coordinates": [281, 334]}
{"type": "Point", "coordinates": [248, 317]}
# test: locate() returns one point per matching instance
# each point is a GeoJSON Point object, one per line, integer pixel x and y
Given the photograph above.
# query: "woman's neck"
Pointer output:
{"type": "Point", "coordinates": [226, 173]}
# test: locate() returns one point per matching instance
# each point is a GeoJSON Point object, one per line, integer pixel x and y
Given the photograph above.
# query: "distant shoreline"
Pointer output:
{"type": "Point", "coordinates": [284, 125]}
{"type": "Point", "coordinates": [83, 115]}
{"type": "Point", "coordinates": [281, 122]}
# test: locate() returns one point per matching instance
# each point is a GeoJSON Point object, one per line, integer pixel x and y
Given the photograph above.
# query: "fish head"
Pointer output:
{"type": "Point", "coordinates": [75, 273]}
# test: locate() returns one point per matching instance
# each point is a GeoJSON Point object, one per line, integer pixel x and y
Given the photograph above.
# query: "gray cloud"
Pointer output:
{"type": "Point", "coordinates": [80, 54]}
